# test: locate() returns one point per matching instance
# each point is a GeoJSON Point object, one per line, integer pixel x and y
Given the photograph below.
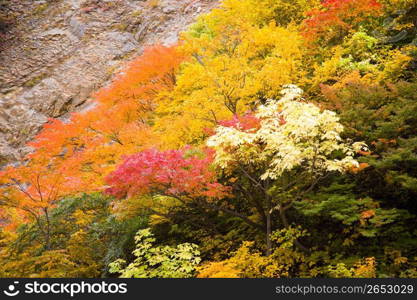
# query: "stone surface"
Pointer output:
{"type": "Point", "coordinates": [57, 52]}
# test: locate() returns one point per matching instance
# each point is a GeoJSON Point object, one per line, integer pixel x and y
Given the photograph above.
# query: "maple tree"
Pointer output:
{"type": "Point", "coordinates": [285, 125]}
{"type": "Point", "coordinates": [335, 18]}
{"type": "Point", "coordinates": [116, 122]}
{"type": "Point", "coordinates": [74, 156]}
{"type": "Point", "coordinates": [32, 190]}
{"type": "Point", "coordinates": [158, 261]}
{"type": "Point", "coordinates": [259, 162]}
{"type": "Point", "coordinates": [182, 175]}
{"type": "Point", "coordinates": [286, 155]}
{"type": "Point", "coordinates": [170, 173]}
{"type": "Point", "coordinates": [231, 68]}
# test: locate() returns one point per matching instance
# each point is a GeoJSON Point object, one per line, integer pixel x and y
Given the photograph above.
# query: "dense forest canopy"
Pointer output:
{"type": "Point", "coordinates": [278, 138]}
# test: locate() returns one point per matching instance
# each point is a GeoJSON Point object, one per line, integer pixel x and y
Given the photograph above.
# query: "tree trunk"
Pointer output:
{"type": "Point", "coordinates": [48, 230]}
{"type": "Point", "coordinates": [268, 221]}
{"type": "Point", "coordinates": [268, 234]}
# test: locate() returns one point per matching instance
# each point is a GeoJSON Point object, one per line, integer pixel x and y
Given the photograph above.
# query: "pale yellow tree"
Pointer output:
{"type": "Point", "coordinates": [294, 146]}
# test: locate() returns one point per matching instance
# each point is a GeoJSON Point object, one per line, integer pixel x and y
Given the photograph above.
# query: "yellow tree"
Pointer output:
{"type": "Point", "coordinates": [236, 61]}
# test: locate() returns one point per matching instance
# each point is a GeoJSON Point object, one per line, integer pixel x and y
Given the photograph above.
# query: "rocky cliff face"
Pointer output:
{"type": "Point", "coordinates": [54, 54]}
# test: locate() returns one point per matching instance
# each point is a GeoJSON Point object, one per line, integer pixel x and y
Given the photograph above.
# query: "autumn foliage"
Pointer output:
{"type": "Point", "coordinates": [115, 122]}
{"type": "Point", "coordinates": [278, 135]}
{"type": "Point", "coordinates": [175, 173]}
{"type": "Point", "coordinates": [336, 17]}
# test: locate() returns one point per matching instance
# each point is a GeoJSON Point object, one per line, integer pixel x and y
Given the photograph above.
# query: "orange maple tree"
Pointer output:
{"type": "Point", "coordinates": [30, 190]}
{"type": "Point", "coordinates": [336, 17]}
{"type": "Point", "coordinates": [117, 122]}
{"type": "Point", "coordinates": [73, 156]}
